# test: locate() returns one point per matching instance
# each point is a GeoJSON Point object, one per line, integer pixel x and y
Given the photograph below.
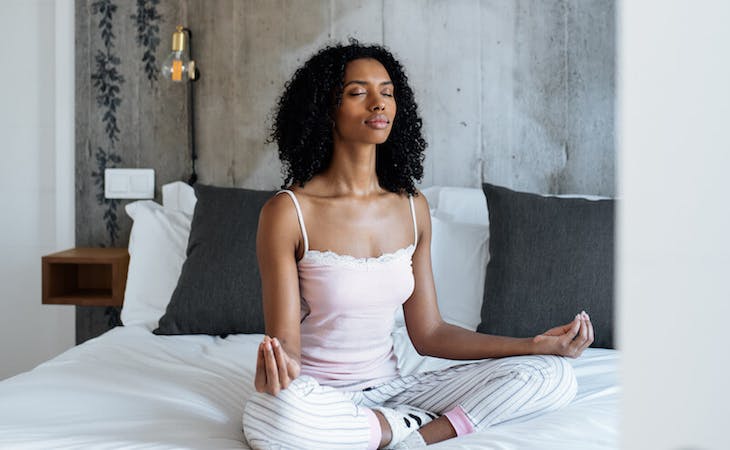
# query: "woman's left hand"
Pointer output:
{"type": "Point", "coordinates": [566, 340]}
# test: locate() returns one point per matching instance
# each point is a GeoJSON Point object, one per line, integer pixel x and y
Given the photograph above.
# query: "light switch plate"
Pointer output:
{"type": "Point", "coordinates": [129, 183]}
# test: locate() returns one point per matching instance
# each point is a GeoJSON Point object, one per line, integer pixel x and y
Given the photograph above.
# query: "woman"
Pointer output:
{"type": "Point", "coordinates": [345, 246]}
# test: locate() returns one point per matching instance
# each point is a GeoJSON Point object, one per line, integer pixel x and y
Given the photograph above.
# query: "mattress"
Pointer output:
{"type": "Point", "coordinates": [129, 388]}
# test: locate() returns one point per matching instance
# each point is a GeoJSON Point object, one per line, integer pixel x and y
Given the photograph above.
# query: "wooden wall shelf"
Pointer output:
{"type": "Point", "coordinates": [85, 277]}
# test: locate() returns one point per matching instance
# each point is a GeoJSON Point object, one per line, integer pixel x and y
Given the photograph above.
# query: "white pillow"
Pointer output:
{"type": "Point", "coordinates": [459, 255]}
{"type": "Point", "coordinates": [459, 251]}
{"type": "Point", "coordinates": [179, 196]}
{"type": "Point", "coordinates": [459, 204]}
{"type": "Point", "coordinates": [157, 246]}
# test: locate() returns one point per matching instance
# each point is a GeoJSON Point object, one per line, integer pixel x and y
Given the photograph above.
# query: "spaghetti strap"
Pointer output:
{"type": "Point", "coordinates": [299, 216]}
{"type": "Point", "coordinates": [415, 226]}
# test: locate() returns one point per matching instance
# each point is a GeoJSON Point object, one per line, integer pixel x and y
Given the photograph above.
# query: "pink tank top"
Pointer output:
{"type": "Point", "coordinates": [348, 307]}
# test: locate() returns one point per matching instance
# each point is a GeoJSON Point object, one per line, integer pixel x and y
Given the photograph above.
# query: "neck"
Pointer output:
{"type": "Point", "coordinates": [352, 170]}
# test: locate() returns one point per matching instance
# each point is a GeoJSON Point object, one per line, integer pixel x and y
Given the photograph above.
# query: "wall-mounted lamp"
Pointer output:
{"type": "Point", "coordinates": [180, 66]}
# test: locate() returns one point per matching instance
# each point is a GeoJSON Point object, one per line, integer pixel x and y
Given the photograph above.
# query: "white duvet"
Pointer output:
{"type": "Point", "coordinates": [130, 388]}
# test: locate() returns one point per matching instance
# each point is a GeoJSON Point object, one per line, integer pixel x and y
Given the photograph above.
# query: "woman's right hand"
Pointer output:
{"type": "Point", "coordinates": [275, 369]}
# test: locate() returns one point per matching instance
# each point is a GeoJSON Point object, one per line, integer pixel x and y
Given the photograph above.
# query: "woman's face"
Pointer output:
{"type": "Point", "coordinates": [368, 107]}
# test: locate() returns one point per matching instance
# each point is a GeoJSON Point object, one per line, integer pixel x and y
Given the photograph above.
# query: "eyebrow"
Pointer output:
{"type": "Point", "coordinates": [365, 83]}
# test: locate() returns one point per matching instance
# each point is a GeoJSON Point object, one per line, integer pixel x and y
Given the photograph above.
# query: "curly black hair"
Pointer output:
{"type": "Point", "coordinates": [305, 139]}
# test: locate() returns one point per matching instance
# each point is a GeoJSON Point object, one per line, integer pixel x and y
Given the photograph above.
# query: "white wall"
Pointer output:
{"type": "Point", "coordinates": [36, 205]}
{"type": "Point", "coordinates": [674, 223]}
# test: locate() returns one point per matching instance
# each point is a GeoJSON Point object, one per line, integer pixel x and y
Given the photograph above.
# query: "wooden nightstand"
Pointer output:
{"type": "Point", "coordinates": [85, 277]}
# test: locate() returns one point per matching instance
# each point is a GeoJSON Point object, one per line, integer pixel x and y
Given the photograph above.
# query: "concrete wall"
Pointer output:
{"type": "Point", "coordinates": [518, 93]}
{"type": "Point", "coordinates": [37, 204]}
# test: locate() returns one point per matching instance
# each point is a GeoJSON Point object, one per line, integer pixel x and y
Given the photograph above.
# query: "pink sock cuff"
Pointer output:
{"type": "Point", "coordinates": [375, 432]}
{"type": "Point", "coordinates": [459, 420]}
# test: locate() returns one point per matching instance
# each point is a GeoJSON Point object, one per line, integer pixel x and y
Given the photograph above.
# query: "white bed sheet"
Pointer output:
{"type": "Point", "coordinates": [132, 389]}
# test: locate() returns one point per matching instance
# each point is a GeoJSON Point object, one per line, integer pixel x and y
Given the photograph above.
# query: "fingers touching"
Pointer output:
{"type": "Point", "coordinates": [274, 369]}
{"type": "Point", "coordinates": [581, 334]}
{"type": "Point", "coordinates": [281, 364]}
{"type": "Point", "coordinates": [571, 327]}
{"type": "Point", "coordinates": [591, 334]}
{"type": "Point", "coordinates": [260, 378]}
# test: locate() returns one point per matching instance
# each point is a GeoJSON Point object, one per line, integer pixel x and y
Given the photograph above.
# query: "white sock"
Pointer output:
{"type": "Point", "coordinates": [403, 421]}
{"type": "Point", "coordinates": [413, 440]}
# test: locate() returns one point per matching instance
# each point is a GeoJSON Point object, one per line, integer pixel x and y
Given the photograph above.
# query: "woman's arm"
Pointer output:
{"type": "Point", "coordinates": [277, 243]}
{"type": "Point", "coordinates": [433, 337]}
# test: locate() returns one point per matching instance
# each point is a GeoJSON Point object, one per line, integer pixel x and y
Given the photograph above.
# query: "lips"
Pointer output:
{"type": "Point", "coordinates": [377, 121]}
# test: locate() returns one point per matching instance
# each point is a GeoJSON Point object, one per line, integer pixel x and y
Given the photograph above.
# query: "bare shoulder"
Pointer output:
{"type": "Point", "coordinates": [278, 220]}
{"type": "Point", "coordinates": [277, 208]}
{"type": "Point", "coordinates": [423, 215]}
{"type": "Point", "coordinates": [420, 201]}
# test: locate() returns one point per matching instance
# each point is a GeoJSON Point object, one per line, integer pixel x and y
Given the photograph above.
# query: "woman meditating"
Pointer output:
{"type": "Point", "coordinates": [345, 246]}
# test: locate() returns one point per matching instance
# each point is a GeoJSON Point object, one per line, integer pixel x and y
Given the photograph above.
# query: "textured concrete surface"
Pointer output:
{"type": "Point", "coordinates": [518, 93]}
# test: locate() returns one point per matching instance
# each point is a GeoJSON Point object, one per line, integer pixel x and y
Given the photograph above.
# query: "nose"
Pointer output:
{"type": "Point", "coordinates": [378, 105]}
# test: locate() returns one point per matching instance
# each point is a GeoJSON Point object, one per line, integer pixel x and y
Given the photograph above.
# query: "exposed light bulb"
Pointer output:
{"type": "Point", "coordinates": [177, 66]}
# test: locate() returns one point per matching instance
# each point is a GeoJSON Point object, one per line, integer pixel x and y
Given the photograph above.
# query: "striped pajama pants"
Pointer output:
{"type": "Point", "coordinates": [307, 415]}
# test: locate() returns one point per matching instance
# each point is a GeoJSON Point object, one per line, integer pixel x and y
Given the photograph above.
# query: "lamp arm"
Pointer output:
{"type": "Point", "coordinates": [191, 110]}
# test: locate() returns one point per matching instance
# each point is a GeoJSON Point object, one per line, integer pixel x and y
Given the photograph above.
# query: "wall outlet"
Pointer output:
{"type": "Point", "coordinates": [129, 183]}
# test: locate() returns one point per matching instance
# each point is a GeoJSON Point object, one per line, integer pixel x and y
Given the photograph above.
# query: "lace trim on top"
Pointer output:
{"type": "Point", "coordinates": [331, 258]}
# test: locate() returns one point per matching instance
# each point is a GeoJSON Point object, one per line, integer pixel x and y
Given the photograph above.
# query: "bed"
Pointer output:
{"type": "Point", "coordinates": [135, 388]}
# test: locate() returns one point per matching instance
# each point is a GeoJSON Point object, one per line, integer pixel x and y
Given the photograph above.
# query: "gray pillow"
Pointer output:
{"type": "Point", "coordinates": [219, 289]}
{"type": "Point", "coordinates": [550, 258]}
